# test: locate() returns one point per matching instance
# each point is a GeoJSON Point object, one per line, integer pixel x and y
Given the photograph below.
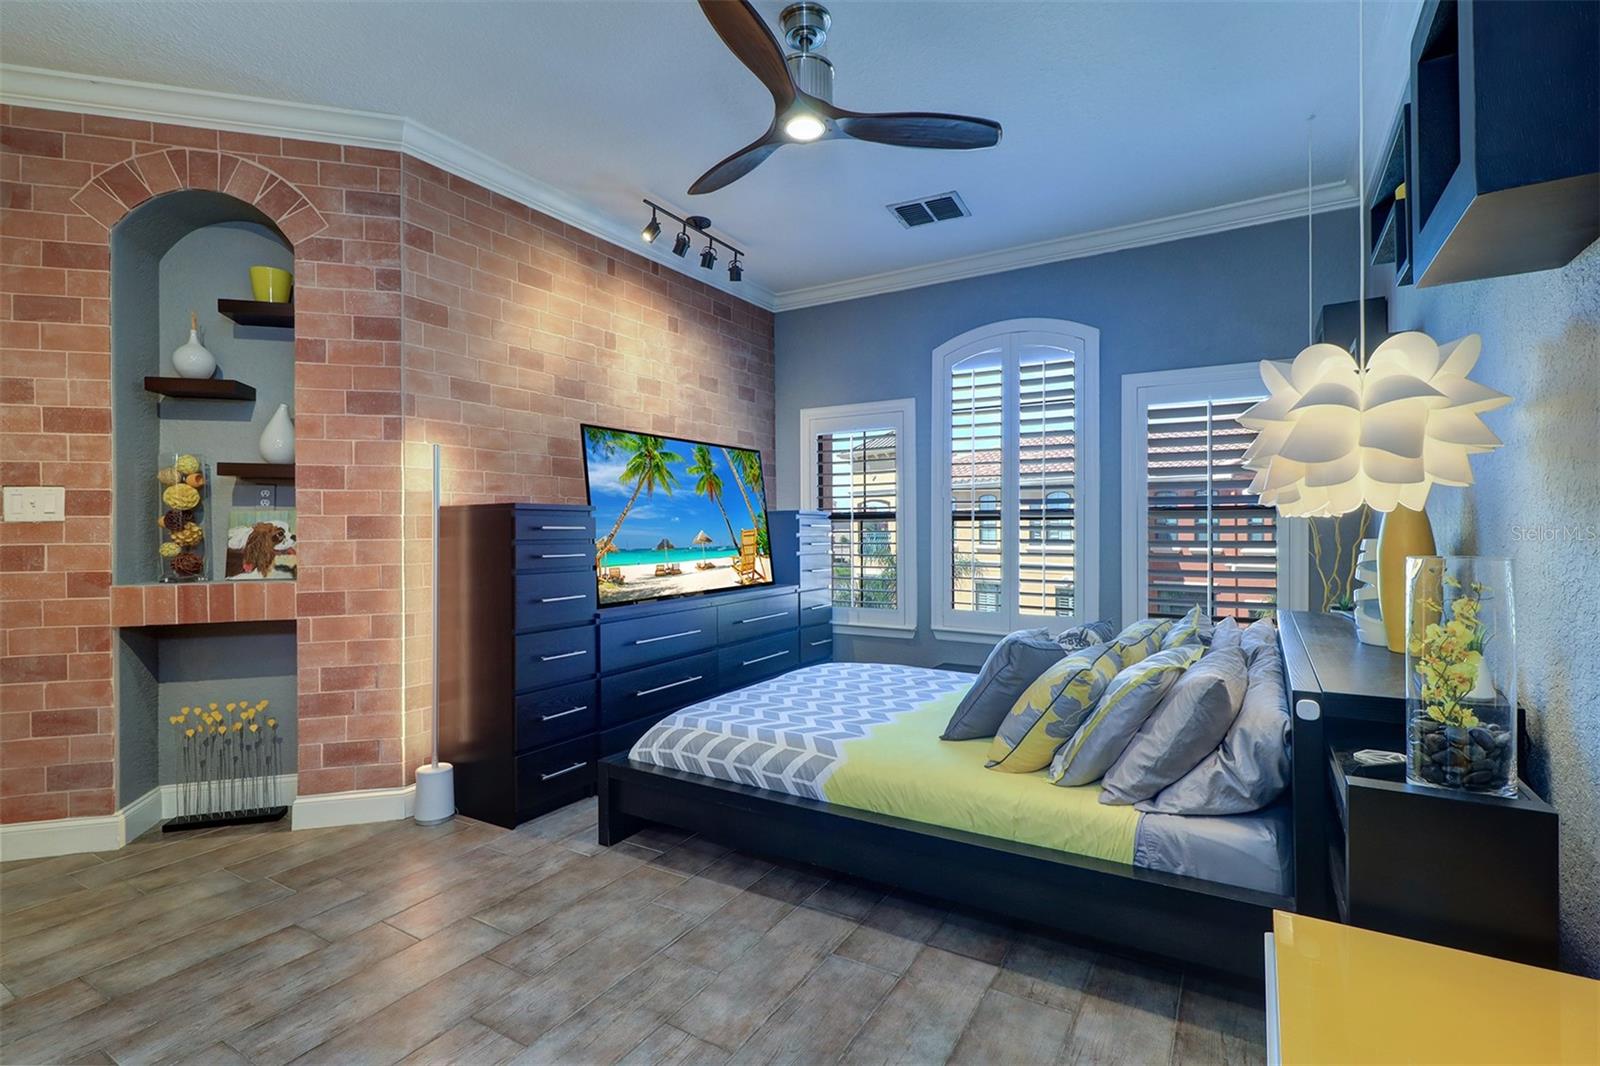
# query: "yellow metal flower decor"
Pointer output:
{"type": "Point", "coordinates": [181, 522]}
{"type": "Point", "coordinates": [229, 757]}
{"type": "Point", "coordinates": [1461, 674]}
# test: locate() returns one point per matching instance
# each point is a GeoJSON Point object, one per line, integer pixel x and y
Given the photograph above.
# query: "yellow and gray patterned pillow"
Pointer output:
{"type": "Point", "coordinates": [1049, 712]}
{"type": "Point", "coordinates": [1141, 638]}
{"type": "Point", "coordinates": [1193, 628]}
{"type": "Point", "coordinates": [1127, 702]}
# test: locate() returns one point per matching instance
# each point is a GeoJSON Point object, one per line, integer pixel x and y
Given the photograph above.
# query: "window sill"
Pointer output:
{"type": "Point", "coordinates": [887, 631]}
{"type": "Point", "coordinates": [968, 636]}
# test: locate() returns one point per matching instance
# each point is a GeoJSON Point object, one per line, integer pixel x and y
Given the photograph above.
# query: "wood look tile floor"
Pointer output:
{"type": "Point", "coordinates": [469, 943]}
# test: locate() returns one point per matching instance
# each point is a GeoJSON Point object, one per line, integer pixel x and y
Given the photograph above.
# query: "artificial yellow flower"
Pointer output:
{"type": "Point", "coordinates": [254, 728]}
{"type": "Point", "coordinates": [231, 706]}
{"type": "Point", "coordinates": [272, 722]}
{"type": "Point", "coordinates": [188, 732]}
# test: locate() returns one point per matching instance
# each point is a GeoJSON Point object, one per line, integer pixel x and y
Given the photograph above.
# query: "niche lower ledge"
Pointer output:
{"type": "Point", "coordinates": [202, 602]}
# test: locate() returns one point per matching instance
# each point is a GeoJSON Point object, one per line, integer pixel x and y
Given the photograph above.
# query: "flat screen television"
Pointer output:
{"type": "Point", "coordinates": [674, 517]}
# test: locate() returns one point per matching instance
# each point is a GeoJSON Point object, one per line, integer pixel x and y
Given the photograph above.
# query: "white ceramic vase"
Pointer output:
{"type": "Point", "coordinates": [191, 359]}
{"type": "Point", "coordinates": [277, 440]}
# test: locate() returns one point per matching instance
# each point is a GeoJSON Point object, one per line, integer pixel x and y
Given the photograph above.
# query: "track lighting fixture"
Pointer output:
{"type": "Point", "coordinates": [680, 244]}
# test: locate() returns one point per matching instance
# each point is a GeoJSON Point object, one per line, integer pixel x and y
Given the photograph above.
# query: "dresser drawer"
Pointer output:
{"type": "Point", "coordinates": [742, 664]}
{"type": "Point", "coordinates": [816, 644]}
{"type": "Point", "coordinates": [554, 656]}
{"type": "Point", "coordinates": [551, 714]}
{"type": "Point", "coordinates": [816, 607]}
{"type": "Point", "coordinates": [757, 617]}
{"type": "Point", "coordinates": [553, 776]}
{"type": "Point", "coordinates": [623, 737]}
{"type": "Point", "coordinates": [544, 601]}
{"type": "Point", "coordinates": [544, 556]}
{"type": "Point", "coordinates": [657, 689]}
{"type": "Point", "coordinates": [640, 641]}
{"type": "Point", "coordinates": [816, 571]}
{"type": "Point", "coordinates": [553, 523]}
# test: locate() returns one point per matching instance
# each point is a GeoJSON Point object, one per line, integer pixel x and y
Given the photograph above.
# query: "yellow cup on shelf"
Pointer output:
{"type": "Point", "coordinates": [271, 285]}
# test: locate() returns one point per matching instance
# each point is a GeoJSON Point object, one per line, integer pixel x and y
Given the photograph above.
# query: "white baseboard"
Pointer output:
{"type": "Point", "coordinates": [353, 808]}
{"type": "Point", "coordinates": [108, 832]}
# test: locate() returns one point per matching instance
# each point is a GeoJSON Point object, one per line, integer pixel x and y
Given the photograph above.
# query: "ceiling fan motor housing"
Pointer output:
{"type": "Point", "coordinates": [805, 28]}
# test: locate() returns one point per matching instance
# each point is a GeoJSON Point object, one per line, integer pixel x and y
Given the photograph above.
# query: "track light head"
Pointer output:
{"type": "Point", "coordinates": [708, 258]}
{"type": "Point", "coordinates": [735, 271]}
{"type": "Point", "coordinates": [652, 229]}
{"type": "Point", "coordinates": [680, 244]}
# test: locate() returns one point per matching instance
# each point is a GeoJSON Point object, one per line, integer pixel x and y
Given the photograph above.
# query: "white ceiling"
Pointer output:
{"type": "Point", "coordinates": [1115, 114]}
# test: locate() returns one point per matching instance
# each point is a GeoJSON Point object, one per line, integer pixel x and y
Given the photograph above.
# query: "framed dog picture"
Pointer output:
{"type": "Point", "coordinates": [261, 544]}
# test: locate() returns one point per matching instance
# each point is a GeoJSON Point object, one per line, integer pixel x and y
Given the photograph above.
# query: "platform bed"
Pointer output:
{"type": "Point", "coordinates": [1126, 908]}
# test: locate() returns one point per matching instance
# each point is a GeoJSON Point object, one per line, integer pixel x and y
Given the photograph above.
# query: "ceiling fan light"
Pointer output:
{"type": "Point", "coordinates": [680, 244]}
{"type": "Point", "coordinates": [804, 126]}
{"type": "Point", "coordinates": [708, 258]}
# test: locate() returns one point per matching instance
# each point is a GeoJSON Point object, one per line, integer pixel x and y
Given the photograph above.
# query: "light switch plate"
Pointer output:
{"type": "Point", "coordinates": [35, 504]}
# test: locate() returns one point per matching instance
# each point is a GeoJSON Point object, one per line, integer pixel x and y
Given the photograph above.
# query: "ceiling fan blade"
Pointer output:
{"type": "Point", "coordinates": [918, 129]}
{"type": "Point", "coordinates": [745, 33]}
{"type": "Point", "coordinates": [738, 164]}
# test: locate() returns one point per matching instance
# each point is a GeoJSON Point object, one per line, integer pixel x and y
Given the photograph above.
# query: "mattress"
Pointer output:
{"type": "Point", "coordinates": [866, 735]}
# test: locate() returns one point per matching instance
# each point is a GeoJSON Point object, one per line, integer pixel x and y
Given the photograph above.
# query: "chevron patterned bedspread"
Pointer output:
{"type": "Point", "coordinates": [789, 734]}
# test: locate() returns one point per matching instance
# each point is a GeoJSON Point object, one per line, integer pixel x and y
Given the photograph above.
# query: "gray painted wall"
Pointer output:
{"type": "Point", "coordinates": [1537, 501]}
{"type": "Point", "coordinates": [1222, 298]}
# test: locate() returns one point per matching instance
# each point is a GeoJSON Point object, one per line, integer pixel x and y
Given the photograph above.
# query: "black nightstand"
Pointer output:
{"type": "Point", "coordinates": [1456, 868]}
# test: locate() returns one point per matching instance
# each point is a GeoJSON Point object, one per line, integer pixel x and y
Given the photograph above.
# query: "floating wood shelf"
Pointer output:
{"type": "Point", "coordinates": [258, 313]}
{"type": "Point", "coordinates": [257, 471]}
{"type": "Point", "coordinates": [201, 388]}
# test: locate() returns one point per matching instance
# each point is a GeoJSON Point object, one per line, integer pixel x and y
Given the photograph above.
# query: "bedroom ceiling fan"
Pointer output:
{"type": "Point", "coordinates": [802, 94]}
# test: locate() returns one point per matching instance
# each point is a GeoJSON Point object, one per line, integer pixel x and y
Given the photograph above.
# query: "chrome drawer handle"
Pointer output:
{"type": "Point", "coordinates": [674, 684]}
{"type": "Point", "coordinates": [820, 643]}
{"type": "Point", "coordinates": [555, 528]}
{"type": "Point", "coordinates": [562, 714]}
{"type": "Point", "coordinates": [761, 617]}
{"type": "Point", "coordinates": [764, 658]}
{"type": "Point", "coordinates": [564, 599]}
{"type": "Point", "coordinates": [816, 569]}
{"type": "Point", "coordinates": [561, 555]}
{"type": "Point", "coordinates": [669, 636]}
{"type": "Point", "coordinates": [819, 607]}
{"type": "Point", "coordinates": [568, 770]}
{"type": "Point", "coordinates": [563, 655]}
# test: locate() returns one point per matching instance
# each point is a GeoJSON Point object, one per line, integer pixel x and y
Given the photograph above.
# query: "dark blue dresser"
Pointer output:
{"type": "Point", "coordinates": [536, 683]}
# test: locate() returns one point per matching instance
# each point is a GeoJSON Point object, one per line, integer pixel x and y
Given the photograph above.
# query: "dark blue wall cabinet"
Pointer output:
{"type": "Point", "coordinates": [536, 682]}
{"type": "Point", "coordinates": [1504, 156]}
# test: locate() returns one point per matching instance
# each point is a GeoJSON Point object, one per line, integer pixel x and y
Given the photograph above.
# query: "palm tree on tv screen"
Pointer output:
{"type": "Point", "coordinates": [648, 468]}
{"type": "Point", "coordinates": [746, 466]}
{"type": "Point", "coordinates": [708, 483]}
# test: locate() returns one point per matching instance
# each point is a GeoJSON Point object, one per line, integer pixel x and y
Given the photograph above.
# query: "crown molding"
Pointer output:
{"type": "Point", "coordinates": [119, 98]}
{"type": "Point", "coordinates": [1332, 196]}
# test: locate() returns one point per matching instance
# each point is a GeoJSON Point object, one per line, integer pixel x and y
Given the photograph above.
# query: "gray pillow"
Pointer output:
{"type": "Point", "coordinates": [1085, 636]}
{"type": "Point", "coordinates": [1193, 628]}
{"type": "Point", "coordinates": [1011, 667]}
{"type": "Point", "coordinates": [1227, 634]}
{"type": "Point", "coordinates": [1188, 724]}
{"type": "Point", "coordinates": [1250, 768]}
{"type": "Point", "coordinates": [1263, 631]}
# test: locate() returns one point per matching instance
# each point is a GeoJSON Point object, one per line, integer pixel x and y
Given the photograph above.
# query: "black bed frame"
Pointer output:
{"type": "Point", "coordinates": [1200, 923]}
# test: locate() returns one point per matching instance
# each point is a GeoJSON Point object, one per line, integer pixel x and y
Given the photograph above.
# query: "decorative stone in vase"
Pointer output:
{"type": "Point", "coordinates": [277, 440]}
{"type": "Point", "coordinates": [1461, 674]}
{"type": "Point", "coordinates": [181, 519]}
{"type": "Point", "coordinates": [191, 359]}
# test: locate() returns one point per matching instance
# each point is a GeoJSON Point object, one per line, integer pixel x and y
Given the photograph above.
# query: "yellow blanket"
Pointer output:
{"type": "Point", "coordinates": [903, 769]}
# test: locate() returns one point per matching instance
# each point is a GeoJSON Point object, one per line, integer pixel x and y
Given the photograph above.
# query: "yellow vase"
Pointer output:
{"type": "Point", "coordinates": [1405, 532]}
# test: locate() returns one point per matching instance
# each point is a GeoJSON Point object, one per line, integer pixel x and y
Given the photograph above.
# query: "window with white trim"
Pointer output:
{"type": "Point", "coordinates": [1194, 533]}
{"type": "Point", "coordinates": [1014, 542]}
{"type": "Point", "coordinates": [857, 467]}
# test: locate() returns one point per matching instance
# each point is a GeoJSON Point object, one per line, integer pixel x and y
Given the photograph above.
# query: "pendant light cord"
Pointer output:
{"type": "Point", "coordinates": [1361, 186]}
{"type": "Point", "coordinates": [1311, 300]}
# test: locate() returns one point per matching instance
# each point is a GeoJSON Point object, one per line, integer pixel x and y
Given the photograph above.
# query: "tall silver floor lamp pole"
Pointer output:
{"type": "Point", "coordinates": [436, 788]}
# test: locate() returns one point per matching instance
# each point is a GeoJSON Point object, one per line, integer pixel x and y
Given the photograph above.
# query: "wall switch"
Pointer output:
{"type": "Point", "coordinates": [29, 504]}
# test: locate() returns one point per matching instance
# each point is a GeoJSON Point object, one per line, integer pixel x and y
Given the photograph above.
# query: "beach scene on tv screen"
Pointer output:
{"type": "Point", "coordinates": [674, 517]}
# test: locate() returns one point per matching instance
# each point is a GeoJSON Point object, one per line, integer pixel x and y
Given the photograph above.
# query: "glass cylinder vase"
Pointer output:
{"type": "Point", "coordinates": [181, 517]}
{"type": "Point", "coordinates": [1461, 674]}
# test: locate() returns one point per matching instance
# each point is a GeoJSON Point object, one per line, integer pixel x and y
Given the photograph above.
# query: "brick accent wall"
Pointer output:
{"type": "Point", "coordinates": [513, 329]}
{"type": "Point", "coordinates": [516, 329]}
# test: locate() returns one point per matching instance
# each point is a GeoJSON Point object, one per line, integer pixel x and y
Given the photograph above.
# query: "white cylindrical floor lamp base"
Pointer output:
{"type": "Point", "coordinates": [436, 794]}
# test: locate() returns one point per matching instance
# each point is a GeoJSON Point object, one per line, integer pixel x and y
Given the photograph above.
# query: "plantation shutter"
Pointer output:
{"type": "Point", "coordinates": [858, 485]}
{"type": "Point", "coordinates": [1210, 541]}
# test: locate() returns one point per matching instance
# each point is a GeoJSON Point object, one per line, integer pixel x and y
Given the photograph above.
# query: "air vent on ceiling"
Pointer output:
{"type": "Point", "coordinates": [941, 208]}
